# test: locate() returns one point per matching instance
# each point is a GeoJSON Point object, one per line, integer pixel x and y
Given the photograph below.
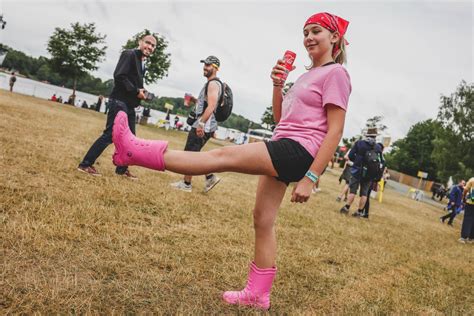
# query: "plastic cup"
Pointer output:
{"type": "Point", "coordinates": [187, 99]}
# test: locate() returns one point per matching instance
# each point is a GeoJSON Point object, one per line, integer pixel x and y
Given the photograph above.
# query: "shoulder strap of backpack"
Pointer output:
{"type": "Point", "coordinates": [222, 90]}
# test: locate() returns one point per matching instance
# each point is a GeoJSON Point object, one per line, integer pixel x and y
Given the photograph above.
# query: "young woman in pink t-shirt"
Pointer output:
{"type": "Point", "coordinates": [310, 124]}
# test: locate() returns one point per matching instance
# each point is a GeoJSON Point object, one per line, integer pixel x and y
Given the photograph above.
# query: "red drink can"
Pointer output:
{"type": "Point", "coordinates": [288, 59]}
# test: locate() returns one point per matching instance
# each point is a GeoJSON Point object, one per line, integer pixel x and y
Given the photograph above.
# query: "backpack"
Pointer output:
{"type": "Point", "coordinates": [224, 104]}
{"type": "Point", "coordinates": [372, 167]}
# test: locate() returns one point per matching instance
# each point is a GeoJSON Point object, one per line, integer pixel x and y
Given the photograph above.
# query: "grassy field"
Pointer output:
{"type": "Point", "coordinates": [72, 243]}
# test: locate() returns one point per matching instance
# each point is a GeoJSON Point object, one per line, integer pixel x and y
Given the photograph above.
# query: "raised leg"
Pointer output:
{"type": "Point", "coordinates": [130, 150]}
{"type": "Point", "coordinates": [250, 159]}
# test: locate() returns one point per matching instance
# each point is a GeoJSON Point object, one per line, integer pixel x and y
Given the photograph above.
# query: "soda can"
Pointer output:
{"type": "Point", "coordinates": [288, 59]}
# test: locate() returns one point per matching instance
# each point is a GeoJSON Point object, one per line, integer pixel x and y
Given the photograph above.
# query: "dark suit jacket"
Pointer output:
{"type": "Point", "coordinates": [128, 77]}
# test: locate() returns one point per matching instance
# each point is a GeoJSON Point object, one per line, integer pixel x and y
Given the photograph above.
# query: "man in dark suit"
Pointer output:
{"type": "Point", "coordinates": [126, 96]}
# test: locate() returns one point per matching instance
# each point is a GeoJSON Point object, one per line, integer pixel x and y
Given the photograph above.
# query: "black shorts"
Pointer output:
{"type": "Point", "coordinates": [194, 142]}
{"type": "Point", "coordinates": [290, 159]}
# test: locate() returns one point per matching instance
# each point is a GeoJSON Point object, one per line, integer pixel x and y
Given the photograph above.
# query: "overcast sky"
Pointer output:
{"type": "Point", "coordinates": [402, 54]}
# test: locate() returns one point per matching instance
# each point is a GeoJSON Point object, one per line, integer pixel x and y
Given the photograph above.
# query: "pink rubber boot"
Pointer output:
{"type": "Point", "coordinates": [133, 151]}
{"type": "Point", "coordinates": [257, 291]}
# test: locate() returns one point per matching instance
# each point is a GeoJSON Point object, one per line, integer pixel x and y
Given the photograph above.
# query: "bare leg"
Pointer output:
{"type": "Point", "coordinates": [350, 199]}
{"type": "Point", "coordinates": [362, 201]}
{"type": "Point", "coordinates": [153, 154]}
{"type": "Point", "coordinates": [344, 191]}
{"type": "Point", "coordinates": [250, 159]}
{"type": "Point", "coordinates": [270, 193]}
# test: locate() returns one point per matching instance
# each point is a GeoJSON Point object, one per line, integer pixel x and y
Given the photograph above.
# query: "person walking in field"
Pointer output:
{"type": "Point", "coordinates": [203, 128]}
{"type": "Point", "coordinates": [467, 227]}
{"type": "Point", "coordinates": [126, 95]}
{"type": "Point", "coordinates": [12, 81]}
{"type": "Point", "coordinates": [310, 122]}
{"type": "Point", "coordinates": [455, 202]}
{"type": "Point", "coordinates": [346, 176]}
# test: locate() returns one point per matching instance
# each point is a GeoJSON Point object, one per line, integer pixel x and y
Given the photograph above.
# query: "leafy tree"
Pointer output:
{"type": "Point", "coordinates": [18, 61]}
{"type": "Point", "coordinates": [240, 123]}
{"type": "Point", "coordinates": [457, 111]}
{"type": "Point", "coordinates": [287, 87]}
{"type": "Point", "coordinates": [267, 117]}
{"type": "Point", "coordinates": [376, 122]}
{"type": "Point", "coordinates": [44, 73]}
{"type": "Point", "coordinates": [77, 51]}
{"type": "Point", "coordinates": [159, 62]}
{"type": "Point", "coordinates": [443, 147]}
{"type": "Point", "coordinates": [348, 142]}
{"type": "Point", "coordinates": [454, 145]}
{"type": "Point", "coordinates": [4, 48]}
{"type": "Point", "coordinates": [414, 152]}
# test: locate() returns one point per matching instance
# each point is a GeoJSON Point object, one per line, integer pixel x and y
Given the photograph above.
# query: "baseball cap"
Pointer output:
{"type": "Point", "coordinates": [210, 60]}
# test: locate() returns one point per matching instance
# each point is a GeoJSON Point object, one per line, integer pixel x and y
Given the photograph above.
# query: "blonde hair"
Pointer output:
{"type": "Point", "coordinates": [341, 56]}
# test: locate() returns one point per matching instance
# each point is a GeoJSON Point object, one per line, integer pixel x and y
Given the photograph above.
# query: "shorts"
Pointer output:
{"type": "Point", "coordinates": [194, 142]}
{"type": "Point", "coordinates": [354, 184]}
{"type": "Point", "coordinates": [290, 159]}
{"type": "Point", "coordinates": [346, 175]}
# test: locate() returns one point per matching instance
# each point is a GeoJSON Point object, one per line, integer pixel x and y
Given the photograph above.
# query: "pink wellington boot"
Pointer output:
{"type": "Point", "coordinates": [133, 151]}
{"type": "Point", "coordinates": [257, 291]}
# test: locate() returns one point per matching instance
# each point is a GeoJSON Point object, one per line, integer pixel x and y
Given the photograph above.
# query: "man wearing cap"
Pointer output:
{"type": "Point", "coordinates": [206, 124]}
{"type": "Point", "coordinates": [356, 155]}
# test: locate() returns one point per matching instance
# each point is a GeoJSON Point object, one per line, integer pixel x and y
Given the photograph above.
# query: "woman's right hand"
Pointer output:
{"type": "Point", "coordinates": [279, 69]}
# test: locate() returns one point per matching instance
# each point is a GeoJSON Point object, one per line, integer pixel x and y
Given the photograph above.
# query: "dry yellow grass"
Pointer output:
{"type": "Point", "coordinates": [73, 243]}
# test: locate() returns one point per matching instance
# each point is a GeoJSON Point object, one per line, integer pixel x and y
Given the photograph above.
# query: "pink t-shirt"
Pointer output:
{"type": "Point", "coordinates": [303, 113]}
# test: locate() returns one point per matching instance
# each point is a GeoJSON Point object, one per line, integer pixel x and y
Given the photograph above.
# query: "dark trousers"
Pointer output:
{"type": "Point", "coordinates": [451, 215]}
{"type": "Point", "coordinates": [367, 203]}
{"type": "Point", "coordinates": [467, 229]}
{"type": "Point", "coordinates": [105, 139]}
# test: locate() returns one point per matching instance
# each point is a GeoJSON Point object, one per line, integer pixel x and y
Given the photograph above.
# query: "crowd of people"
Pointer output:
{"type": "Point", "coordinates": [72, 100]}
{"type": "Point", "coordinates": [461, 199]}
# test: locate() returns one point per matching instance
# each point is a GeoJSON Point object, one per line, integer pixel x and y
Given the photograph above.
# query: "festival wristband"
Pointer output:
{"type": "Point", "coordinates": [201, 124]}
{"type": "Point", "coordinates": [312, 176]}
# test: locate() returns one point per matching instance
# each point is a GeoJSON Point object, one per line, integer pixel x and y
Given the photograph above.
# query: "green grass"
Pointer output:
{"type": "Point", "coordinates": [72, 243]}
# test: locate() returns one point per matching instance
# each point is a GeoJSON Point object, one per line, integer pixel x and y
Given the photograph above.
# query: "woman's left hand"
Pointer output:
{"type": "Point", "coordinates": [302, 190]}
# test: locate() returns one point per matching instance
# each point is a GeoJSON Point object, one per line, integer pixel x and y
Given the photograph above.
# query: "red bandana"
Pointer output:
{"type": "Point", "coordinates": [331, 22]}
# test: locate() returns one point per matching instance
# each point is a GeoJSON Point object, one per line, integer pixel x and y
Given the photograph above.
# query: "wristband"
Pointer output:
{"type": "Point", "coordinates": [312, 176]}
{"type": "Point", "coordinates": [201, 124]}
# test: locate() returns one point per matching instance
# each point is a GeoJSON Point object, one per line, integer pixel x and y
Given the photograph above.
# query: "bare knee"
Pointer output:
{"type": "Point", "coordinates": [262, 220]}
{"type": "Point", "coordinates": [221, 158]}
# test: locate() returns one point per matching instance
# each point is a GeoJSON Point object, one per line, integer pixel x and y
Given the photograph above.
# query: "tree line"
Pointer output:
{"type": "Point", "coordinates": [40, 69]}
